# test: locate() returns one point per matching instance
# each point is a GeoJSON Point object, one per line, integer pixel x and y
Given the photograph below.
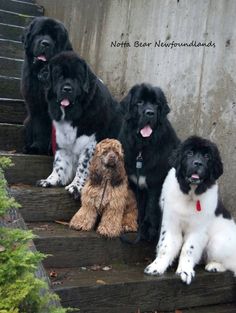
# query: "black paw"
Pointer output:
{"type": "Point", "coordinates": [36, 148]}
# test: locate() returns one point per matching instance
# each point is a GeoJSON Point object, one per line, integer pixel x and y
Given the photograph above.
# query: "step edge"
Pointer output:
{"type": "Point", "coordinates": [11, 41]}
{"type": "Point", "coordinates": [13, 59]}
{"type": "Point", "coordinates": [18, 14]}
{"type": "Point", "coordinates": [13, 26]}
{"type": "Point", "coordinates": [11, 100]}
{"type": "Point", "coordinates": [10, 77]}
{"type": "Point", "coordinates": [27, 3]}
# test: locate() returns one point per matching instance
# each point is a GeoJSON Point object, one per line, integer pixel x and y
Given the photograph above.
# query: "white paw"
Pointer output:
{"type": "Point", "coordinates": [186, 274]}
{"type": "Point", "coordinates": [74, 190]}
{"type": "Point", "coordinates": [214, 267]}
{"type": "Point", "coordinates": [157, 267]}
{"type": "Point", "coordinates": [43, 183]}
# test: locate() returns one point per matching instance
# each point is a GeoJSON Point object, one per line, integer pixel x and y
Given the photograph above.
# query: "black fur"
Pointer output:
{"type": "Point", "coordinates": [155, 149]}
{"type": "Point", "coordinates": [220, 209]}
{"type": "Point", "coordinates": [44, 37]}
{"type": "Point", "coordinates": [92, 108]}
{"type": "Point", "coordinates": [197, 156]}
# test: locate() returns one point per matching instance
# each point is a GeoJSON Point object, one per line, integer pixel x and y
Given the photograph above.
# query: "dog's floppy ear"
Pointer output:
{"type": "Point", "coordinates": [44, 76]}
{"type": "Point", "coordinates": [25, 37]}
{"type": "Point", "coordinates": [63, 38]}
{"type": "Point", "coordinates": [125, 104]}
{"type": "Point", "coordinates": [86, 80]}
{"type": "Point", "coordinates": [174, 159]}
{"type": "Point", "coordinates": [164, 108]}
{"type": "Point", "coordinates": [217, 165]}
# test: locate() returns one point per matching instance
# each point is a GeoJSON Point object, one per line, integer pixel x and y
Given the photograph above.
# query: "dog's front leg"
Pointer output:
{"type": "Point", "coordinates": [152, 220]}
{"type": "Point", "coordinates": [191, 254]}
{"type": "Point", "coordinates": [168, 247]}
{"type": "Point", "coordinates": [82, 171]}
{"type": "Point", "coordinates": [63, 170]}
{"type": "Point", "coordinates": [111, 221]}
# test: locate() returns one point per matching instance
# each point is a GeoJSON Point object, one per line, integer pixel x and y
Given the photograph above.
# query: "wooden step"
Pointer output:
{"type": "Point", "coordinates": [28, 1]}
{"type": "Point", "coordinates": [11, 137]}
{"type": "Point", "coordinates": [126, 289]}
{"type": "Point", "coordinates": [14, 18]}
{"type": "Point", "coordinates": [11, 32]}
{"type": "Point", "coordinates": [220, 308]}
{"type": "Point", "coordinates": [21, 7]}
{"type": "Point", "coordinates": [28, 168]}
{"type": "Point", "coordinates": [11, 49]}
{"type": "Point", "coordinates": [12, 111]}
{"type": "Point", "coordinates": [10, 67]}
{"type": "Point", "coordinates": [71, 248]}
{"type": "Point", "coordinates": [10, 87]}
{"type": "Point", "coordinates": [44, 204]}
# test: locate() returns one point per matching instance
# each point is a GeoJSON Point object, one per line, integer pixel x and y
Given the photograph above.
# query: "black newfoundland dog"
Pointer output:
{"type": "Point", "coordinates": [83, 113]}
{"type": "Point", "coordinates": [42, 39]}
{"type": "Point", "coordinates": [195, 222]}
{"type": "Point", "coordinates": [148, 140]}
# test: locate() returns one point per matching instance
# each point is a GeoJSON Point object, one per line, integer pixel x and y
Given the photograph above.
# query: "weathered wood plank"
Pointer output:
{"type": "Point", "coordinates": [70, 248]}
{"type": "Point", "coordinates": [21, 7]}
{"type": "Point", "coordinates": [28, 168]}
{"type": "Point", "coordinates": [10, 67]}
{"type": "Point", "coordinates": [10, 87]}
{"type": "Point", "coordinates": [10, 32]}
{"type": "Point", "coordinates": [11, 137]}
{"type": "Point", "coordinates": [220, 308]}
{"type": "Point", "coordinates": [14, 18]}
{"type": "Point", "coordinates": [127, 290]}
{"type": "Point", "coordinates": [44, 204]}
{"type": "Point", "coordinates": [11, 49]}
{"type": "Point", "coordinates": [12, 111]}
{"type": "Point", "coordinates": [30, 1]}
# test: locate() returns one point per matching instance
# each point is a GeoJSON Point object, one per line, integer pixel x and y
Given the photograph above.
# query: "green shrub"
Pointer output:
{"type": "Point", "coordinates": [20, 290]}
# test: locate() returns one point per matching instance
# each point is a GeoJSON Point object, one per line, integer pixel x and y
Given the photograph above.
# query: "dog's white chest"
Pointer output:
{"type": "Point", "coordinates": [65, 134]}
{"type": "Point", "coordinates": [141, 182]}
{"type": "Point", "coordinates": [66, 137]}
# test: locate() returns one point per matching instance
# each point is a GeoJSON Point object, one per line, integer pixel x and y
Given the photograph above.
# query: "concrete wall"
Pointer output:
{"type": "Point", "coordinates": [200, 82]}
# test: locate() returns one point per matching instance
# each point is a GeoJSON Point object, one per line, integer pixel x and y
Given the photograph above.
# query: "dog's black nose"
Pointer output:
{"type": "Point", "coordinates": [67, 88]}
{"type": "Point", "coordinates": [45, 43]}
{"type": "Point", "coordinates": [149, 113]}
{"type": "Point", "coordinates": [197, 163]}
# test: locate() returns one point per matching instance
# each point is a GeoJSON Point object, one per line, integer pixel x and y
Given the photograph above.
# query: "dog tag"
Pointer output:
{"type": "Point", "coordinates": [198, 206]}
{"type": "Point", "coordinates": [139, 161]}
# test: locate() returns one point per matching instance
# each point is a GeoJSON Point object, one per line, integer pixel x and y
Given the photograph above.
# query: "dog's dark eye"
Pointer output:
{"type": "Point", "coordinates": [207, 156]}
{"type": "Point", "coordinates": [189, 154]}
{"type": "Point", "coordinates": [140, 103]}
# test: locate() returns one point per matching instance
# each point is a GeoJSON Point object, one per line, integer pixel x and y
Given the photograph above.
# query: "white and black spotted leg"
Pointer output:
{"type": "Point", "coordinates": [62, 172]}
{"type": "Point", "coordinates": [167, 249]}
{"type": "Point", "coordinates": [191, 254]}
{"type": "Point", "coordinates": [82, 171]}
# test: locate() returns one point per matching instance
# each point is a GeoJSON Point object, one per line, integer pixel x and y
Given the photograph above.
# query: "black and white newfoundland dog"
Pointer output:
{"type": "Point", "coordinates": [148, 140]}
{"type": "Point", "coordinates": [83, 113]}
{"type": "Point", "coordinates": [195, 222]}
{"type": "Point", "coordinates": [42, 39]}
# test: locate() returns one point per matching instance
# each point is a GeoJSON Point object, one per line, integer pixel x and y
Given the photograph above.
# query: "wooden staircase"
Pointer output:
{"type": "Point", "coordinates": [95, 274]}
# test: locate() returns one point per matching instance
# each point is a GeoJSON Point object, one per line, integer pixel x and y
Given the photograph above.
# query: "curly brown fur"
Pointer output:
{"type": "Point", "coordinates": [116, 205]}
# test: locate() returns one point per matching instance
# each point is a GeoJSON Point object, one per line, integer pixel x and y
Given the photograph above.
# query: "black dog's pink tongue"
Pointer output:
{"type": "Point", "coordinates": [42, 58]}
{"type": "Point", "coordinates": [195, 176]}
{"type": "Point", "coordinates": [146, 131]}
{"type": "Point", "coordinates": [65, 102]}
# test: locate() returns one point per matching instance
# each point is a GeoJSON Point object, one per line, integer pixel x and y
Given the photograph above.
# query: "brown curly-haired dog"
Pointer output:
{"type": "Point", "coordinates": [106, 193]}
